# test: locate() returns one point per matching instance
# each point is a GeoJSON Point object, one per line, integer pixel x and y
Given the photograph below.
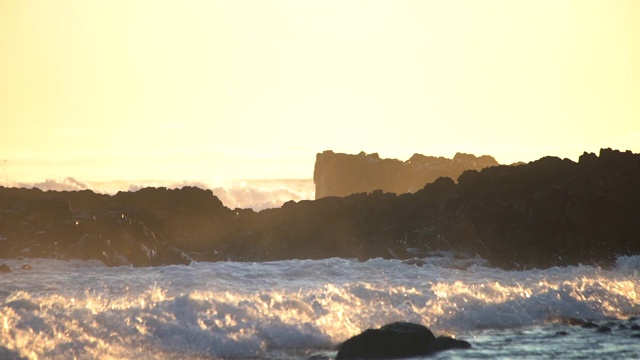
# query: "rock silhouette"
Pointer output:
{"type": "Point", "coordinates": [396, 341]}
{"type": "Point", "coordinates": [125, 229]}
{"type": "Point", "coordinates": [344, 174]}
{"type": "Point", "coordinates": [550, 212]}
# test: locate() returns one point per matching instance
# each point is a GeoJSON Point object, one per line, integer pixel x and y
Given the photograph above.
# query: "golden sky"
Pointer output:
{"type": "Point", "coordinates": [201, 90]}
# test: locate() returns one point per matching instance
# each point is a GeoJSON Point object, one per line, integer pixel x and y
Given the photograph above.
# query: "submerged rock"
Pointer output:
{"type": "Point", "coordinates": [590, 325]}
{"type": "Point", "coordinates": [604, 329]}
{"type": "Point", "coordinates": [397, 340]}
{"type": "Point", "coordinates": [4, 268]}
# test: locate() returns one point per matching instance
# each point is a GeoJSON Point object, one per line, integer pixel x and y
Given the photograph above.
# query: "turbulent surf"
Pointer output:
{"type": "Point", "coordinates": [295, 308]}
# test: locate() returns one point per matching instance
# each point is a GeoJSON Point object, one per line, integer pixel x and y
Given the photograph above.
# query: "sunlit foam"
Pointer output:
{"type": "Point", "coordinates": [242, 310]}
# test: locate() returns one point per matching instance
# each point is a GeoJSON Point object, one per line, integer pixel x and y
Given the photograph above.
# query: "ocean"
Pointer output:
{"type": "Point", "coordinates": [296, 309]}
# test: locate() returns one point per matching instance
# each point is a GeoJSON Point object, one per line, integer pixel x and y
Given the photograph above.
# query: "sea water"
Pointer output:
{"type": "Point", "coordinates": [297, 308]}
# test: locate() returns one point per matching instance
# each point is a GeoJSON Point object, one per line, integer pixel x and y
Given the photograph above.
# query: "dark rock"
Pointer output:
{"type": "Point", "coordinates": [117, 230]}
{"type": "Point", "coordinates": [550, 212]}
{"type": "Point", "coordinates": [604, 329]}
{"type": "Point", "coordinates": [26, 267]}
{"type": "Point", "coordinates": [572, 321]}
{"type": "Point", "coordinates": [635, 327]}
{"type": "Point", "coordinates": [56, 206]}
{"type": "Point", "coordinates": [397, 340]}
{"type": "Point", "coordinates": [337, 174]}
{"type": "Point", "coordinates": [590, 325]}
{"type": "Point", "coordinates": [562, 333]}
{"type": "Point", "coordinates": [442, 343]}
{"type": "Point", "coordinates": [4, 268]}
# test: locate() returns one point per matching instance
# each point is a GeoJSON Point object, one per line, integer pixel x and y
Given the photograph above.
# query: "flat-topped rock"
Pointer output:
{"type": "Point", "coordinates": [338, 174]}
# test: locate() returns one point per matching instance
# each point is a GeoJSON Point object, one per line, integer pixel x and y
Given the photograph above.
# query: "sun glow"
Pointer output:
{"type": "Point", "coordinates": [204, 89]}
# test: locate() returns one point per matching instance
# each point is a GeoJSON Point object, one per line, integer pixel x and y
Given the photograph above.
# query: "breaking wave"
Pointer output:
{"type": "Point", "coordinates": [247, 310]}
{"type": "Point", "coordinates": [254, 194]}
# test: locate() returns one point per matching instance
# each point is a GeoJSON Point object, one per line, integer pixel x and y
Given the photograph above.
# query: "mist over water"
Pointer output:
{"type": "Point", "coordinates": [245, 194]}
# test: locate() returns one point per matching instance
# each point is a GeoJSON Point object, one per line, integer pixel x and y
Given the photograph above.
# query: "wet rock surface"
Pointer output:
{"type": "Point", "coordinates": [396, 341]}
{"type": "Point", "coordinates": [620, 327]}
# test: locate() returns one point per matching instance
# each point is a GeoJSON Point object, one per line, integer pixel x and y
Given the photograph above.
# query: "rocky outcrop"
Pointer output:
{"type": "Point", "coordinates": [344, 174]}
{"type": "Point", "coordinates": [550, 212]}
{"type": "Point", "coordinates": [139, 229]}
{"type": "Point", "coordinates": [397, 341]}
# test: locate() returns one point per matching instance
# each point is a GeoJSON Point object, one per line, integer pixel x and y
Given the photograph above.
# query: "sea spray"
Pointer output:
{"type": "Point", "coordinates": [246, 310]}
{"type": "Point", "coordinates": [245, 194]}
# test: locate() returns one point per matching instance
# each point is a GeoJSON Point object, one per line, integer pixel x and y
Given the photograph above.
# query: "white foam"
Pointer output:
{"type": "Point", "coordinates": [245, 310]}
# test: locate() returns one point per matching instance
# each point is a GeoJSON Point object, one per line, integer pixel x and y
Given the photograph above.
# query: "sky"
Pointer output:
{"type": "Point", "coordinates": [204, 90]}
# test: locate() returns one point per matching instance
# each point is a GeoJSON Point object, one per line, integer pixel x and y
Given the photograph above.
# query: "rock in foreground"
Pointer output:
{"type": "Point", "coordinates": [396, 341]}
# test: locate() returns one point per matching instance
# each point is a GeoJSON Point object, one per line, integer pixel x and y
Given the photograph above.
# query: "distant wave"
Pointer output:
{"type": "Point", "coordinates": [260, 195]}
{"type": "Point", "coordinates": [254, 194]}
{"type": "Point", "coordinates": [68, 184]}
